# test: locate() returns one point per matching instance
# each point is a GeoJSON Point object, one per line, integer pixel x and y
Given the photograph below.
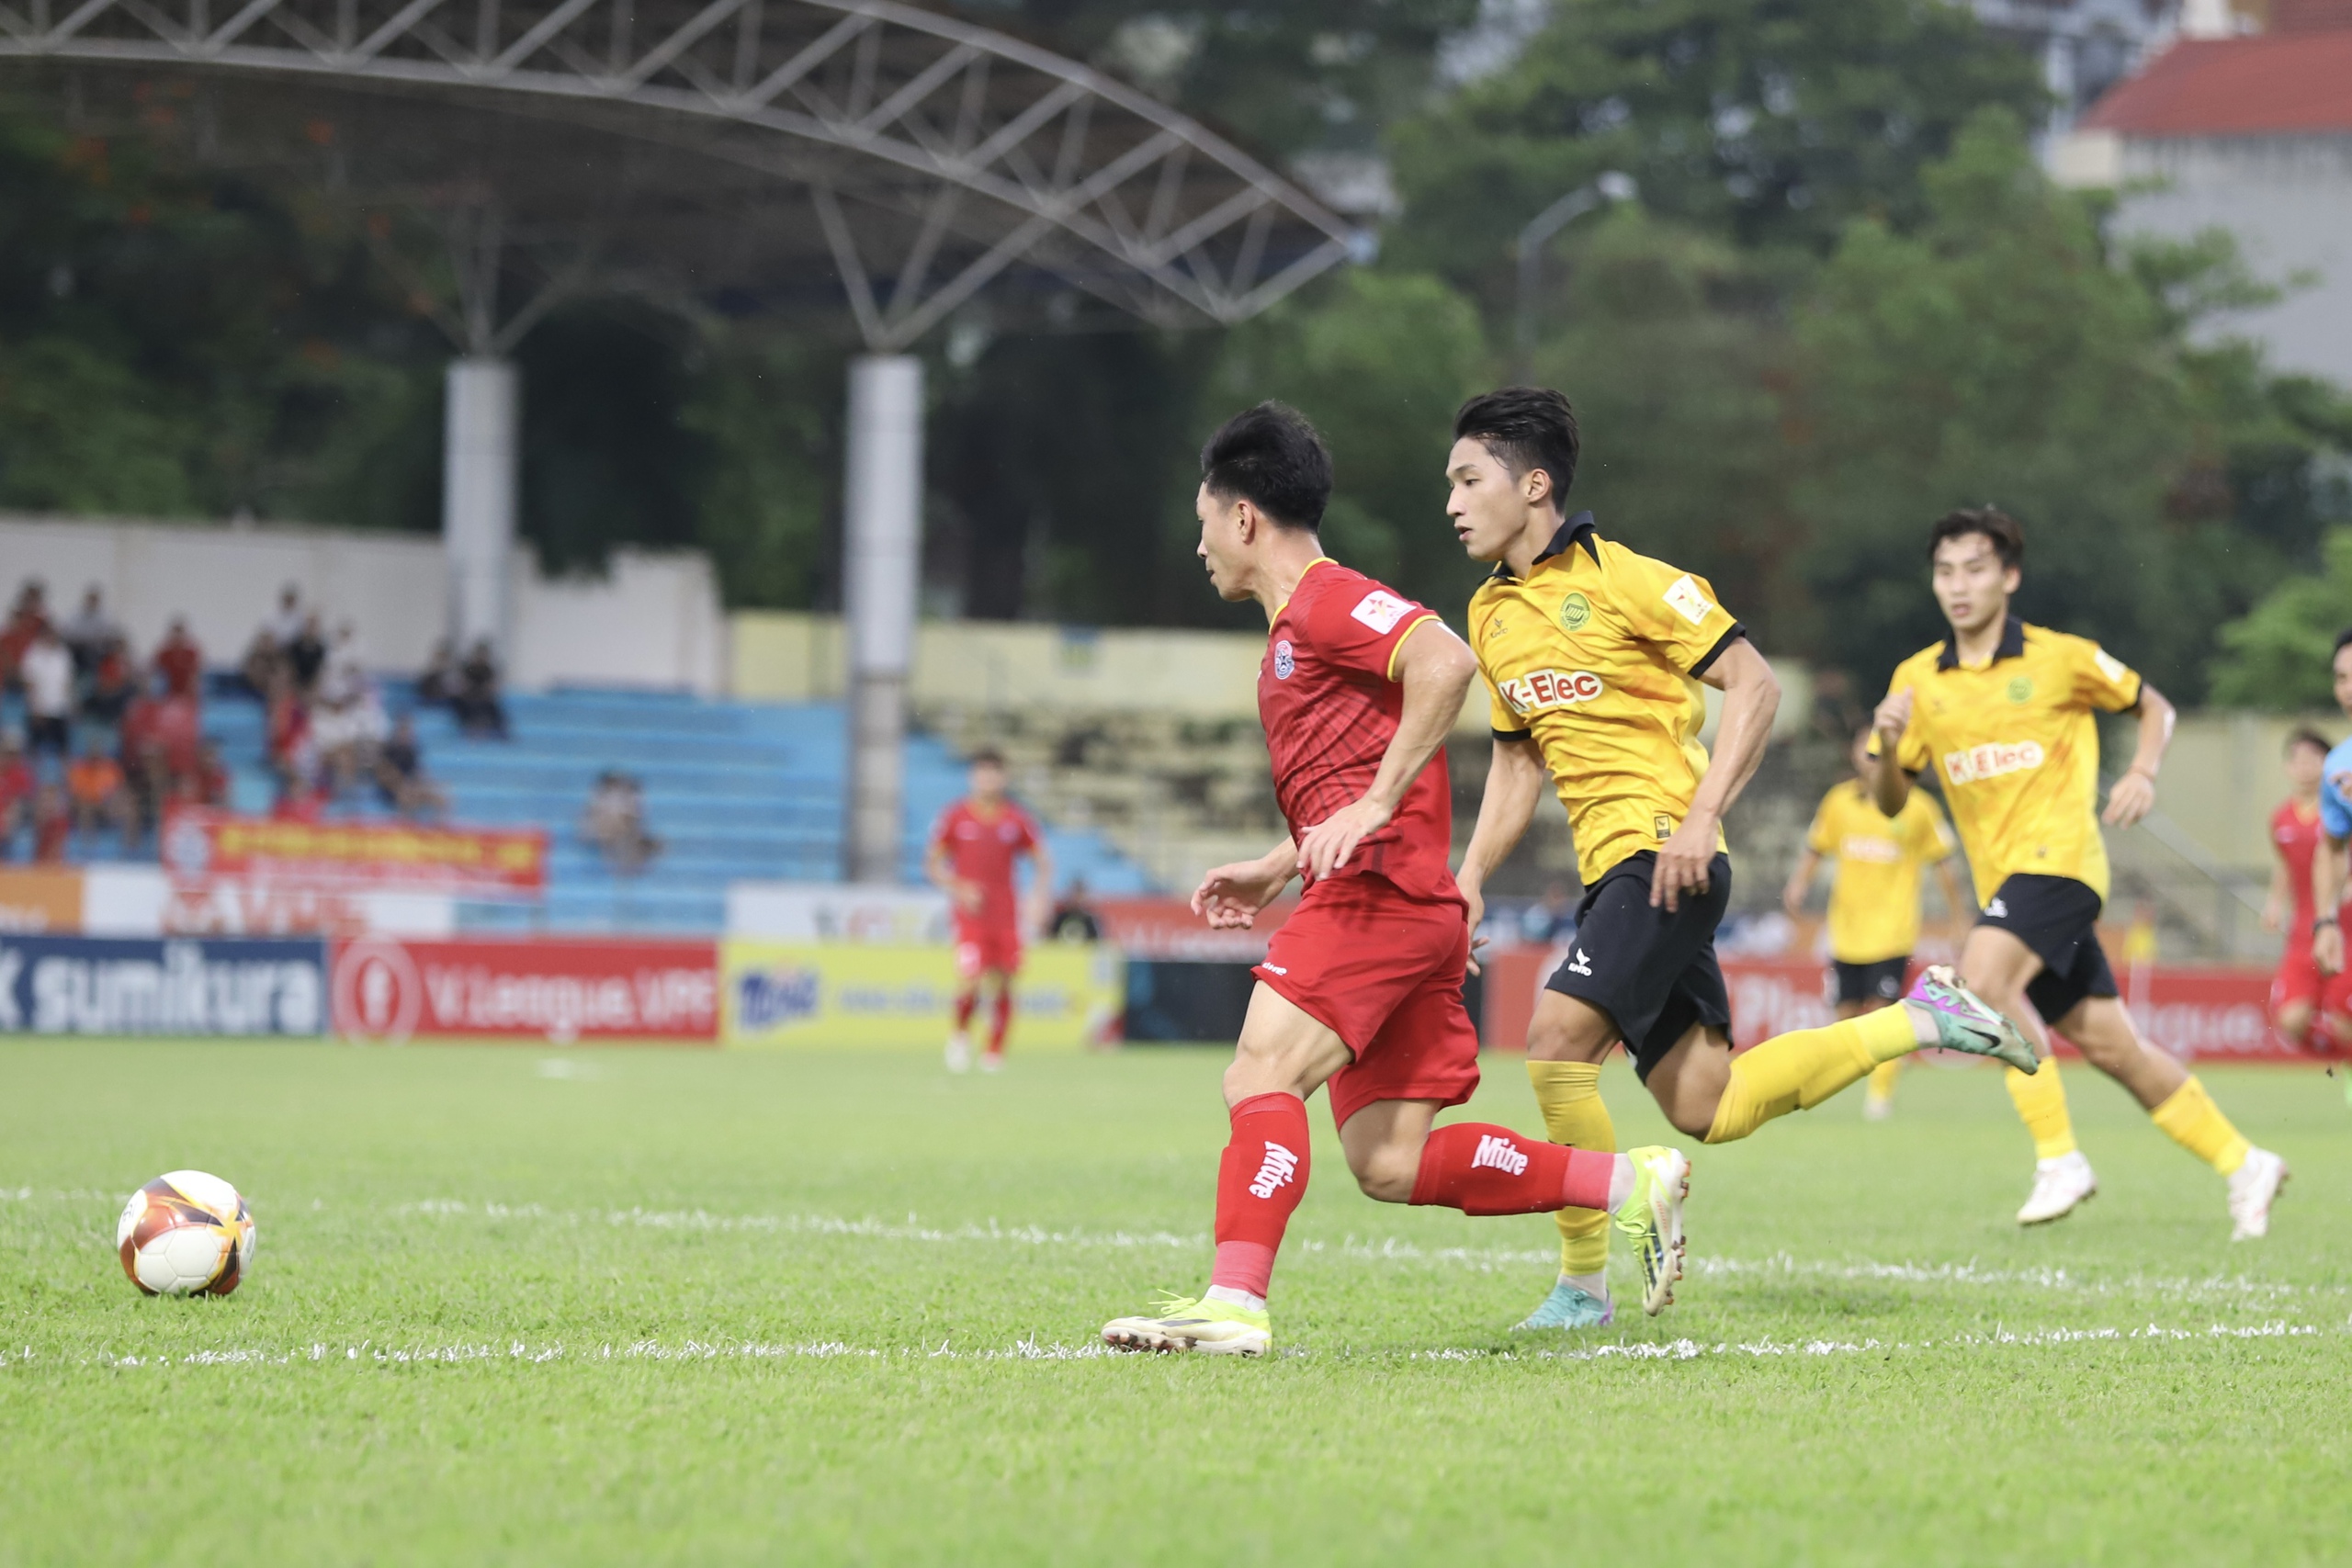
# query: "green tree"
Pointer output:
{"type": "Point", "coordinates": [1772, 123]}
{"type": "Point", "coordinates": [2277, 656]}
{"type": "Point", "coordinates": [1996, 354]}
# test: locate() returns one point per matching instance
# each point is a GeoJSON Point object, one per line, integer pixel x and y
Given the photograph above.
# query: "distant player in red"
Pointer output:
{"type": "Point", "coordinates": [1361, 987]}
{"type": "Point", "coordinates": [2299, 994]}
{"type": "Point", "coordinates": [973, 848]}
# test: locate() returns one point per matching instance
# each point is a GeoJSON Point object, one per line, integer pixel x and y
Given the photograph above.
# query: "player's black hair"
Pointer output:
{"type": "Point", "coordinates": [2343, 641]}
{"type": "Point", "coordinates": [2003, 530]}
{"type": "Point", "coordinates": [1526, 428]}
{"type": "Point", "coordinates": [2304, 735]}
{"type": "Point", "coordinates": [1272, 457]}
{"type": "Point", "coordinates": [987, 757]}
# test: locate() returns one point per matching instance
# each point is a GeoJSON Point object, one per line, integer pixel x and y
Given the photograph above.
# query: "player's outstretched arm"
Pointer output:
{"type": "Point", "coordinates": [1229, 897]}
{"type": "Point", "coordinates": [1800, 883]}
{"type": "Point", "coordinates": [1752, 696]}
{"type": "Point", "coordinates": [1514, 788]}
{"type": "Point", "coordinates": [2135, 794]}
{"type": "Point", "coordinates": [1890, 785]}
{"type": "Point", "coordinates": [1435, 667]}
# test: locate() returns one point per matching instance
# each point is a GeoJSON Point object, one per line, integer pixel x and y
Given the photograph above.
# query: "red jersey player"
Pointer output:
{"type": "Point", "coordinates": [2300, 991]}
{"type": "Point", "coordinates": [1361, 987]}
{"type": "Point", "coordinates": [973, 848]}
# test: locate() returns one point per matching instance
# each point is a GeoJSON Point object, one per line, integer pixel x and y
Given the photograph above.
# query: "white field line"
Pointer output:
{"type": "Point", "coordinates": [520, 1352]}
{"type": "Point", "coordinates": [2246, 1293]}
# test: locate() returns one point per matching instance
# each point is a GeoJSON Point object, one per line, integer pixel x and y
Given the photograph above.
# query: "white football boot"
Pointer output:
{"type": "Point", "coordinates": [959, 1052]}
{"type": "Point", "coordinates": [2060, 1187]}
{"type": "Point", "coordinates": [2252, 1187]}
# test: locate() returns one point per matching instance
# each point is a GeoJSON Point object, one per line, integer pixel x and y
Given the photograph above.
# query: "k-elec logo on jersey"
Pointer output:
{"type": "Point", "coordinates": [1978, 764]}
{"type": "Point", "coordinates": [1284, 660]}
{"type": "Point", "coordinates": [1550, 689]}
{"type": "Point", "coordinates": [1688, 599]}
{"type": "Point", "coordinates": [1380, 611]}
{"type": "Point", "coordinates": [1863, 846]}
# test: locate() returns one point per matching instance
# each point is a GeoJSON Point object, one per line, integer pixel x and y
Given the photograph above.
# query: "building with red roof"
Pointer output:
{"type": "Point", "coordinates": [2252, 134]}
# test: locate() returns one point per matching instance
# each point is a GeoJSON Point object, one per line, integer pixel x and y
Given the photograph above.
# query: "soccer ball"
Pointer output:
{"type": "Point", "coordinates": [186, 1234]}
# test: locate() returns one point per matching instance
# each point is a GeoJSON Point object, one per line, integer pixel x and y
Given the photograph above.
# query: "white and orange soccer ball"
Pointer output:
{"type": "Point", "coordinates": [186, 1234]}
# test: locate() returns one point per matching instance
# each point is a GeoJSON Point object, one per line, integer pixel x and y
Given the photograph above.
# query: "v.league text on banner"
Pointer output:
{"type": "Point", "coordinates": [559, 991]}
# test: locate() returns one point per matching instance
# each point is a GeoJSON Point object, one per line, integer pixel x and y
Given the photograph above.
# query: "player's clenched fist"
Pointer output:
{"type": "Point", "coordinates": [1892, 717]}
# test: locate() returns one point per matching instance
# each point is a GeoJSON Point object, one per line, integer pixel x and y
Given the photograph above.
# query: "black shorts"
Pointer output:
{"type": "Point", "coordinates": [2057, 917]}
{"type": "Point", "coordinates": [1879, 982]}
{"type": "Point", "coordinates": [1652, 973]}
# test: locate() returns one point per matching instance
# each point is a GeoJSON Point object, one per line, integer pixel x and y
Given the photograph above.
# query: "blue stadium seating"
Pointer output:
{"type": "Point", "coordinates": [734, 791]}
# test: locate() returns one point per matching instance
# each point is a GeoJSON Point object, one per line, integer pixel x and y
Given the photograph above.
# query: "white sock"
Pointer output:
{"type": "Point", "coordinates": [1232, 1297]}
{"type": "Point", "coordinates": [1621, 1181]}
{"type": "Point", "coordinates": [1593, 1285]}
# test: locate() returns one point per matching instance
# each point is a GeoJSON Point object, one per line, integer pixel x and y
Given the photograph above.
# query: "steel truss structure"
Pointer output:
{"type": "Point", "coordinates": [917, 158]}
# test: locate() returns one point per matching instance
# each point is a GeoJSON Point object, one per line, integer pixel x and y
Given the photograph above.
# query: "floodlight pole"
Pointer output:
{"type": "Point", "coordinates": [882, 558]}
{"type": "Point", "coordinates": [1611, 187]}
{"type": "Point", "coordinates": [478, 487]}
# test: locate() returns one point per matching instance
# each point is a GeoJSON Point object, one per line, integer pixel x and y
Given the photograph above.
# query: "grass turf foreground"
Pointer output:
{"type": "Point", "coordinates": [637, 1306]}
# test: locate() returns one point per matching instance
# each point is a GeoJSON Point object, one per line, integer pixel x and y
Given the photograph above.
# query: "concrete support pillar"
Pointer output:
{"type": "Point", "coordinates": [479, 464]}
{"type": "Point", "coordinates": [882, 558]}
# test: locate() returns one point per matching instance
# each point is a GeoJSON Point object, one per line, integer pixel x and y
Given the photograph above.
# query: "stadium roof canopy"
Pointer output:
{"type": "Point", "coordinates": [746, 153]}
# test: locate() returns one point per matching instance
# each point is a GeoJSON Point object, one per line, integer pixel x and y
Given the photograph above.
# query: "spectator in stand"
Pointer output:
{"type": "Point", "coordinates": [478, 708]}
{"type": "Point", "coordinates": [399, 774]}
{"type": "Point", "coordinates": [1552, 917]}
{"type": "Point", "coordinates": [285, 625]}
{"type": "Point", "coordinates": [26, 619]}
{"type": "Point", "coordinates": [95, 788]}
{"type": "Point", "coordinates": [292, 755]}
{"type": "Point", "coordinates": [438, 682]}
{"type": "Point", "coordinates": [614, 823]}
{"type": "Point", "coordinates": [207, 784]}
{"type": "Point", "coordinates": [147, 787]}
{"type": "Point", "coordinates": [53, 823]}
{"type": "Point", "coordinates": [346, 677]}
{"type": "Point", "coordinates": [1073, 918]}
{"type": "Point", "coordinates": [306, 656]}
{"type": "Point", "coordinates": [47, 670]}
{"type": "Point", "coordinates": [89, 632]}
{"type": "Point", "coordinates": [15, 789]}
{"type": "Point", "coordinates": [180, 663]}
{"type": "Point", "coordinates": [114, 684]}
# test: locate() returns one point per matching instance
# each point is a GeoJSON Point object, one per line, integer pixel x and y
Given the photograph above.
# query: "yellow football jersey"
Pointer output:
{"type": "Point", "coordinates": [1874, 904]}
{"type": "Point", "coordinates": [1596, 655]}
{"type": "Point", "coordinates": [2016, 749]}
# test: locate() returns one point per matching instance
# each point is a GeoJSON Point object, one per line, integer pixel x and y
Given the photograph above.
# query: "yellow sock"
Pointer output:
{"type": "Point", "coordinates": [1883, 1079]}
{"type": "Point", "coordinates": [1799, 1070]}
{"type": "Point", "coordinates": [1574, 1114]}
{"type": "Point", "coordinates": [2041, 1100]}
{"type": "Point", "coordinates": [2190, 1119]}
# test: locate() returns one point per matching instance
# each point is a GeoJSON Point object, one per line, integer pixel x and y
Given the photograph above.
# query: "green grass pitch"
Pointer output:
{"type": "Point", "coordinates": [644, 1306]}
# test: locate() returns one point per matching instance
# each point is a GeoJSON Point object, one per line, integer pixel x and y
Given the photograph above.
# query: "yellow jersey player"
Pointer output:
{"type": "Point", "coordinates": [1874, 900]}
{"type": "Point", "coordinates": [1595, 655]}
{"type": "Point", "coordinates": [2002, 711]}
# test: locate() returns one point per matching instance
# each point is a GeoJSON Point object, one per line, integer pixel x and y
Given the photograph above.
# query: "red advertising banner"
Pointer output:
{"type": "Point", "coordinates": [201, 845]}
{"type": "Point", "coordinates": [557, 991]}
{"type": "Point", "coordinates": [2195, 1014]}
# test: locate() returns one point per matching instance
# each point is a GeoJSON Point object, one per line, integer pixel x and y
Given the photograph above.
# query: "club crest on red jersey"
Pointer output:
{"type": "Point", "coordinates": [1284, 661]}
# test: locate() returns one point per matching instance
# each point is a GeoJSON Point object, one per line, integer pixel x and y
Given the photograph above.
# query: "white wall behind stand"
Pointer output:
{"type": "Point", "coordinates": [654, 620]}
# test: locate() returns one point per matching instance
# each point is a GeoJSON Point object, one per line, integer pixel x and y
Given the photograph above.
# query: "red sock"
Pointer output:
{"type": "Point", "coordinates": [965, 1002]}
{"type": "Point", "coordinates": [1259, 1184]}
{"type": "Point", "coordinates": [1000, 1020]}
{"type": "Point", "coordinates": [1481, 1168]}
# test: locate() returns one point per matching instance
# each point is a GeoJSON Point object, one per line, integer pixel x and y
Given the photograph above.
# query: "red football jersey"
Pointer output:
{"type": "Point", "coordinates": [2296, 839]}
{"type": "Point", "coordinates": [982, 850]}
{"type": "Point", "coordinates": [1330, 701]}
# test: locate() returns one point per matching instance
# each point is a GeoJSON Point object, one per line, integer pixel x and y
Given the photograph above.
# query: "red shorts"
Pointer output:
{"type": "Point", "coordinates": [1385, 974]}
{"type": "Point", "coordinates": [980, 948]}
{"type": "Point", "coordinates": [2297, 980]}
